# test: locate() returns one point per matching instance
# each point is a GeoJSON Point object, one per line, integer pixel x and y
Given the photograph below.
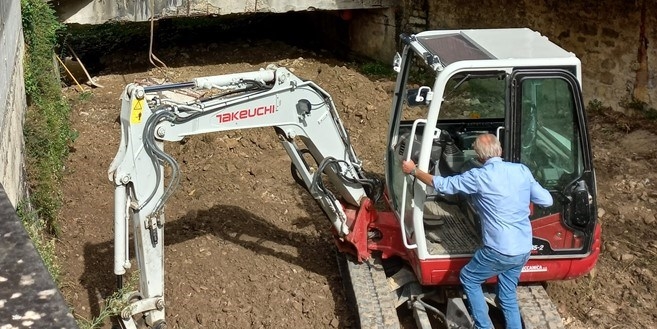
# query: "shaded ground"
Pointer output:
{"type": "Point", "coordinates": [247, 248]}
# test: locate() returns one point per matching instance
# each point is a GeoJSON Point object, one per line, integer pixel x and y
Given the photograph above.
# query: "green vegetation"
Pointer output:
{"type": "Point", "coordinates": [640, 108]}
{"type": "Point", "coordinates": [635, 109]}
{"type": "Point", "coordinates": [638, 115]}
{"type": "Point", "coordinates": [378, 70]}
{"type": "Point", "coordinates": [651, 114]}
{"type": "Point", "coordinates": [112, 305]}
{"type": "Point", "coordinates": [44, 244]}
{"type": "Point", "coordinates": [47, 138]}
{"type": "Point", "coordinates": [595, 107]}
{"type": "Point", "coordinates": [86, 96]}
{"type": "Point", "coordinates": [47, 131]}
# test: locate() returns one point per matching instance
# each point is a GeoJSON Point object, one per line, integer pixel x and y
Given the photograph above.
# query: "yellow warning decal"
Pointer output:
{"type": "Point", "coordinates": [137, 109]}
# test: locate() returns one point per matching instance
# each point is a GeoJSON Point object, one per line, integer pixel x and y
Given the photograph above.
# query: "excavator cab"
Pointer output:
{"type": "Point", "coordinates": [533, 104]}
{"type": "Point", "coordinates": [519, 86]}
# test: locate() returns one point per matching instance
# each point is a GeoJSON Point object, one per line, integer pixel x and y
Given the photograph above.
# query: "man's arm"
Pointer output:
{"type": "Point", "coordinates": [539, 195]}
{"type": "Point", "coordinates": [408, 167]}
{"type": "Point", "coordinates": [465, 182]}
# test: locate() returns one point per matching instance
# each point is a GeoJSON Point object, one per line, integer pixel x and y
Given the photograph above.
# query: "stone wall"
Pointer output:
{"type": "Point", "coordinates": [12, 99]}
{"type": "Point", "coordinates": [603, 34]}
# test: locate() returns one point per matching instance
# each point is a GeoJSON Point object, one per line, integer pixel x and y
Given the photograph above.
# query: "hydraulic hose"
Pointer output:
{"type": "Point", "coordinates": [158, 156]}
{"type": "Point", "coordinates": [371, 186]}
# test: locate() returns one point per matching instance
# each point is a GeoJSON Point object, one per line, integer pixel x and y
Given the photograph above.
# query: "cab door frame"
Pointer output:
{"type": "Point", "coordinates": [575, 198]}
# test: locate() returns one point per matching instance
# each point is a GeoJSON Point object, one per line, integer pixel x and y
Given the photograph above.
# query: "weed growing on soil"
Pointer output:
{"type": "Point", "coordinates": [47, 131]}
{"type": "Point", "coordinates": [43, 244]}
{"type": "Point", "coordinates": [378, 70]}
{"type": "Point", "coordinates": [112, 305]}
{"type": "Point", "coordinates": [86, 96]}
{"type": "Point", "coordinates": [642, 109]}
{"type": "Point", "coordinates": [595, 106]}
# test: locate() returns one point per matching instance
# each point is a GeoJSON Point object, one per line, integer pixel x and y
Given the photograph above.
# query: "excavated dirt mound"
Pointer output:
{"type": "Point", "coordinates": [246, 247]}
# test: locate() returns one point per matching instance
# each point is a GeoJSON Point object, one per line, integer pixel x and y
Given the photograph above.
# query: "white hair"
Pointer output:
{"type": "Point", "coordinates": [487, 146]}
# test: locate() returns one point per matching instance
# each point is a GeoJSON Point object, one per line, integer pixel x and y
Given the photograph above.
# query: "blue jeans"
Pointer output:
{"type": "Point", "coordinates": [486, 264]}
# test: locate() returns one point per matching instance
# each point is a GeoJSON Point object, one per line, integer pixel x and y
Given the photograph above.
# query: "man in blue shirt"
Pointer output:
{"type": "Point", "coordinates": [501, 192]}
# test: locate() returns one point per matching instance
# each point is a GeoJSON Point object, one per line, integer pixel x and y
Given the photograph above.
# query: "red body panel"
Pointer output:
{"type": "Point", "coordinates": [551, 229]}
{"type": "Point", "coordinates": [387, 240]}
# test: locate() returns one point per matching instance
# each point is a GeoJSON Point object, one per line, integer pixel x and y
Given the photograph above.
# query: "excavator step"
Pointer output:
{"type": "Point", "coordinates": [536, 308]}
{"type": "Point", "coordinates": [448, 230]}
{"type": "Point", "coordinates": [367, 287]}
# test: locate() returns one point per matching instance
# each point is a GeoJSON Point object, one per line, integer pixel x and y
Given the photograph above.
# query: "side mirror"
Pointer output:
{"type": "Point", "coordinates": [419, 96]}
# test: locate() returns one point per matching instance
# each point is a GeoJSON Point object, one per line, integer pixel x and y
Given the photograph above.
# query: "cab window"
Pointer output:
{"type": "Point", "coordinates": [549, 134]}
{"type": "Point", "coordinates": [477, 95]}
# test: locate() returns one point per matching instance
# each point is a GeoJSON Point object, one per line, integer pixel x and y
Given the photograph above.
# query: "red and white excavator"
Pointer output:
{"type": "Point", "coordinates": [452, 85]}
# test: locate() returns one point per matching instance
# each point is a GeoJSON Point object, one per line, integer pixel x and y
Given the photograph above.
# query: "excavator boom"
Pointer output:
{"type": "Point", "coordinates": [301, 113]}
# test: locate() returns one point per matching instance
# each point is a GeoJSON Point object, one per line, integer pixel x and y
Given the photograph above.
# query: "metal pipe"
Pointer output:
{"type": "Point", "coordinates": [266, 75]}
{"type": "Point", "coordinates": [120, 236]}
{"type": "Point", "coordinates": [169, 86]}
{"type": "Point", "coordinates": [430, 308]}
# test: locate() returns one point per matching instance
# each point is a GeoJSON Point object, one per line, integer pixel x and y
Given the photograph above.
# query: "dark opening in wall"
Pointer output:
{"type": "Point", "coordinates": [123, 45]}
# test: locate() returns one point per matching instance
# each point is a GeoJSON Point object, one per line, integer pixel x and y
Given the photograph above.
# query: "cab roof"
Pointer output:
{"type": "Point", "coordinates": [480, 44]}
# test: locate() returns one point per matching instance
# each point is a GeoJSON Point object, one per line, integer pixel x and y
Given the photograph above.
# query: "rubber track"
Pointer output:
{"type": "Point", "coordinates": [536, 308]}
{"type": "Point", "coordinates": [373, 298]}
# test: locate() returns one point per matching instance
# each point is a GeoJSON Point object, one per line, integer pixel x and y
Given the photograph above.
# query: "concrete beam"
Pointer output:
{"type": "Point", "coordinates": [12, 100]}
{"type": "Point", "coordinates": [101, 11]}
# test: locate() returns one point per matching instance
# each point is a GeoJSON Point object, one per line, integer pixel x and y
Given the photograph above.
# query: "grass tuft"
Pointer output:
{"type": "Point", "coordinates": [378, 70]}
{"type": "Point", "coordinates": [112, 307]}
{"type": "Point", "coordinates": [44, 244]}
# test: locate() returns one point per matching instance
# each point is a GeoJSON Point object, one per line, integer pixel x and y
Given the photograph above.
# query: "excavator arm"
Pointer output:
{"type": "Point", "coordinates": [299, 110]}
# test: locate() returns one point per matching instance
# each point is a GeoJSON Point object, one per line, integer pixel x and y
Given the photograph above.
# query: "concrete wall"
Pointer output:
{"type": "Point", "coordinates": [101, 11]}
{"type": "Point", "coordinates": [12, 99]}
{"type": "Point", "coordinates": [374, 33]}
{"type": "Point", "coordinates": [604, 34]}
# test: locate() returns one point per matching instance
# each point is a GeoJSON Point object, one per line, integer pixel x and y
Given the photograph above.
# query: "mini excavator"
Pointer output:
{"type": "Point", "coordinates": [452, 85]}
